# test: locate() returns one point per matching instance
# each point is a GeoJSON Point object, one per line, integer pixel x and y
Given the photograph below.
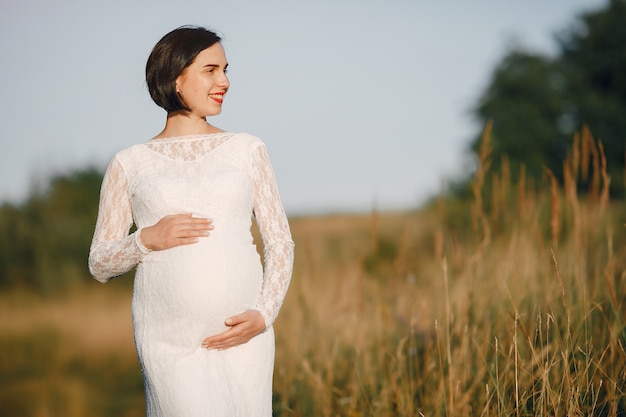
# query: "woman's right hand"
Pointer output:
{"type": "Point", "coordinates": [175, 230]}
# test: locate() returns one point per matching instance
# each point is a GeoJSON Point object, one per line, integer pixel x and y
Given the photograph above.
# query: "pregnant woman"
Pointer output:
{"type": "Point", "coordinates": [203, 303]}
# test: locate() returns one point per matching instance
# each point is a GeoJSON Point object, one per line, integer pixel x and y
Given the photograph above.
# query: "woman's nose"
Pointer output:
{"type": "Point", "coordinates": [223, 81]}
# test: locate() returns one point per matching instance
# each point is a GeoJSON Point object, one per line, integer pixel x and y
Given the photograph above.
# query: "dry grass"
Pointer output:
{"type": "Point", "coordinates": [514, 306]}
{"type": "Point", "coordinates": [60, 356]}
{"type": "Point", "coordinates": [511, 328]}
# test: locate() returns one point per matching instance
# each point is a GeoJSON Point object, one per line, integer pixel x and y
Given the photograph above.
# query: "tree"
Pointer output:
{"type": "Point", "coordinates": [537, 103]}
{"type": "Point", "coordinates": [525, 101]}
{"type": "Point", "coordinates": [594, 54]}
{"type": "Point", "coordinates": [44, 243]}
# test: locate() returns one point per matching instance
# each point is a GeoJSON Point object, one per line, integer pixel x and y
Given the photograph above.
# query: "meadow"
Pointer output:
{"type": "Point", "coordinates": [509, 303]}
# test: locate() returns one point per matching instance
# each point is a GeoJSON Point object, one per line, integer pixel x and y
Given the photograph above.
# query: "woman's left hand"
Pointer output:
{"type": "Point", "coordinates": [243, 327]}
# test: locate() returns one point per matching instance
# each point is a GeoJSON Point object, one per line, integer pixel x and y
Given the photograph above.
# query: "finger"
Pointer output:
{"type": "Point", "coordinates": [217, 341]}
{"type": "Point", "coordinates": [233, 321]}
{"type": "Point", "coordinates": [222, 345]}
{"type": "Point", "coordinates": [186, 225]}
{"type": "Point", "coordinates": [231, 337]}
{"type": "Point", "coordinates": [201, 221]}
{"type": "Point", "coordinates": [196, 228]}
{"type": "Point", "coordinates": [193, 229]}
{"type": "Point", "coordinates": [186, 218]}
{"type": "Point", "coordinates": [227, 344]}
{"type": "Point", "coordinates": [181, 241]}
{"type": "Point", "coordinates": [191, 233]}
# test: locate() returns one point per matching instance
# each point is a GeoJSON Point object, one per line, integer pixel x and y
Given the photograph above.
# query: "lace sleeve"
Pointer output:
{"type": "Point", "coordinates": [278, 247]}
{"type": "Point", "coordinates": [113, 251]}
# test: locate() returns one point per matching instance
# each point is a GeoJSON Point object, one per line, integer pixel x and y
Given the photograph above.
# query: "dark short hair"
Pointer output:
{"type": "Point", "coordinates": [169, 57]}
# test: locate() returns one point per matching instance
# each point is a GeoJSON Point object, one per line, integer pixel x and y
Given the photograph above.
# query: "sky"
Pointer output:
{"type": "Point", "coordinates": [363, 104]}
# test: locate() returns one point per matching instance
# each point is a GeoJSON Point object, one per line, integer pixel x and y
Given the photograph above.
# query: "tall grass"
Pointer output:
{"type": "Point", "coordinates": [70, 357]}
{"type": "Point", "coordinates": [513, 307]}
{"type": "Point", "coordinates": [513, 304]}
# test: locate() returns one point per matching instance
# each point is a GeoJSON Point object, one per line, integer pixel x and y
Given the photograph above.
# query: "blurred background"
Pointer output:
{"type": "Point", "coordinates": [405, 135]}
{"type": "Point", "coordinates": [362, 104]}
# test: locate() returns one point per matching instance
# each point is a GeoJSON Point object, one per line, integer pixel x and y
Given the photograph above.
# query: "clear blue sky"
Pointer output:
{"type": "Point", "coordinates": [361, 103]}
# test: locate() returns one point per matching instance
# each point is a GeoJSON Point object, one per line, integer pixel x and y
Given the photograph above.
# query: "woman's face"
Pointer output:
{"type": "Point", "coordinates": [203, 84]}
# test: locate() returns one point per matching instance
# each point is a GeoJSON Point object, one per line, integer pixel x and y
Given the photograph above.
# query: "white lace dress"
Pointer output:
{"type": "Point", "coordinates": [184, 294]}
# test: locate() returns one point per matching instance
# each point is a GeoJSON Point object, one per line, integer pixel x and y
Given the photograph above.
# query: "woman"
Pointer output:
{"type": "Point", "coordinates": [203, 305]}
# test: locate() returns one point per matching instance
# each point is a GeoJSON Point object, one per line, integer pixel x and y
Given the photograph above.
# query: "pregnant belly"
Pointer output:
{"type": "Point", "coordinates": [194, 288]}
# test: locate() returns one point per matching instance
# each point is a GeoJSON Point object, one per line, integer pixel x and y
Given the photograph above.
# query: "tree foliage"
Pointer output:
{"type": "Point", "coordinates": [44, 242]}
{"type": "Point", "coordinates": [539, 103]}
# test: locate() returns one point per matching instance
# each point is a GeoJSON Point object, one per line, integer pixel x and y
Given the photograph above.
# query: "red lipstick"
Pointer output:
{"type": "Point", "coordinates": [217, 97]}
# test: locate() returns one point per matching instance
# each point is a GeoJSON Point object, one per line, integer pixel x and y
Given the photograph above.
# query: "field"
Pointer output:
{"type": "Point", "coordinates": [510, 304]}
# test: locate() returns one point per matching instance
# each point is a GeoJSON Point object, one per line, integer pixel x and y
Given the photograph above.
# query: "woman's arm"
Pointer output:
{"type": "Point", "coordinates": [113, 251]}
{"type": "Point", "coordinates": [278, 246]}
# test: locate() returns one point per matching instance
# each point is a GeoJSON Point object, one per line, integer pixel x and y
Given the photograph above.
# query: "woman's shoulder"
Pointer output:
{"type": "Point", "coordinates": [132, 149]}
{"type": "Point", "coordinates": [248, 139]}
{"type": "Point", "coordinates": [130, 154]}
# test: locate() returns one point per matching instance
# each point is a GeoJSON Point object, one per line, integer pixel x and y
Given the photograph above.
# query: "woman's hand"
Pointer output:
{"type": "Point", "coordinates": [243, 327]}
{"type": "Point", "coordinates": [175, 230]}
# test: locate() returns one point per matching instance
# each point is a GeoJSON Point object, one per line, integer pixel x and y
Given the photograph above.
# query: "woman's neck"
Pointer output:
{"type": "Point", "coordinates": [184, 124]}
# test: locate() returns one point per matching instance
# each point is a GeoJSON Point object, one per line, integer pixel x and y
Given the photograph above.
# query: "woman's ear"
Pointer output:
{"type": "Point", "coordinates": [178, 82]}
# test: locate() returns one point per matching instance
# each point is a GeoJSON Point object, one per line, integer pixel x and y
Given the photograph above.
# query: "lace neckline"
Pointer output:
{"type": "Point", "coordinates": [189, 137]}
{"type": "Point", "coordinates": [189, 147]}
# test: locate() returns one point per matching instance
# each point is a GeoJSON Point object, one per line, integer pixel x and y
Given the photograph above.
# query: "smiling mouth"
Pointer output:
{"type": "Point", "coordinates": [217, 97]}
